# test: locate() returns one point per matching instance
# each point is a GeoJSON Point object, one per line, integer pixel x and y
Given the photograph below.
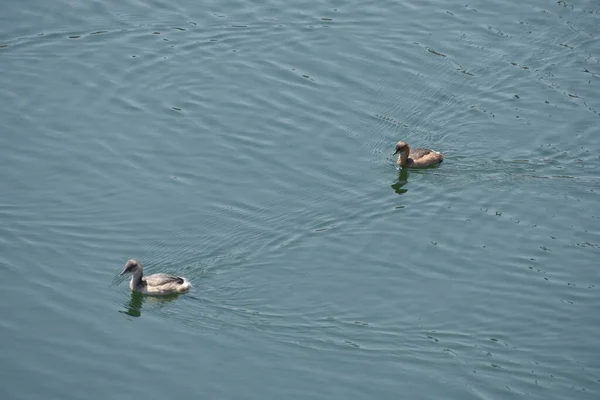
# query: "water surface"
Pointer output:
{"type": "Point", "coordinates": [246, 146]}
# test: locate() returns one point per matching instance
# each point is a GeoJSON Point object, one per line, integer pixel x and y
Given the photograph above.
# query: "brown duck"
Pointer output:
{"type": "Point", "coordinates": [416, 158]}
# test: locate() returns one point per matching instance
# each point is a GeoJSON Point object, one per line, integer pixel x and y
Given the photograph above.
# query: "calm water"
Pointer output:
{"type": "Point", "coordinates": [246, 146]}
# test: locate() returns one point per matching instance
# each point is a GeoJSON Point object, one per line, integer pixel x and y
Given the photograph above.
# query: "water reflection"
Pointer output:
{"type": "Point", "coordinates": [133, 307]}
{"type": "Point", "coordinates": [402, 180]}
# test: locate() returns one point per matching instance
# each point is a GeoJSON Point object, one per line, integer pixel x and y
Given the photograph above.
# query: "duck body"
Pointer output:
{"type": "Point", "coordinates": [416, 158]}
{"type": "Point", "coordinates": [155, 284]}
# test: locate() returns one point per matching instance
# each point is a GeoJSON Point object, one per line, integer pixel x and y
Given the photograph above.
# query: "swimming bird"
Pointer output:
{"type": "Point", "coordinates": [416, 158]}
{"type": "Point", "coordinates": [157, 284]}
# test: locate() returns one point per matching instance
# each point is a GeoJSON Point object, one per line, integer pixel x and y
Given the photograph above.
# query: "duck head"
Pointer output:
{"type": "Point", "coordinates": [130, 267]}
{"type": "Point", "coordinates": [400, 147]}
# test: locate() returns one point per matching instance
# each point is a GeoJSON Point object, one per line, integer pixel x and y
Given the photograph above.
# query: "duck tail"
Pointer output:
{"type": "Point", "coordinates": [185, 285]}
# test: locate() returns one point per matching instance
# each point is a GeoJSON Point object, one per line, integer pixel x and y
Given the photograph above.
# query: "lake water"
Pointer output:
{"type": "Point", "coordinates": [246, 146]}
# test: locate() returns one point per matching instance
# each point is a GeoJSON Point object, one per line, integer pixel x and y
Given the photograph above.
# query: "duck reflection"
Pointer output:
{"type": "Point", "coordinates": [402, 180]}
{"type": "Point", "coordinates": [133, 307]}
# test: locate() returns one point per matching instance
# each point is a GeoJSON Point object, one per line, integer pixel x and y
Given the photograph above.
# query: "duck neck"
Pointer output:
{"type": "Point", "coordinates": [403, 158]}
{"type": "Point", "coordinates": [136, 277]}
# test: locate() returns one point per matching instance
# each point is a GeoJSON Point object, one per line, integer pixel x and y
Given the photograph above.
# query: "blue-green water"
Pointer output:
{"type": "Point", "coordinates": [246, 146]}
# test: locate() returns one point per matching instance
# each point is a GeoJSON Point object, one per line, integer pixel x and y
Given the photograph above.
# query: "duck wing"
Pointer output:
{"type": "Point", "coordinates": [419, 152]}
{"type": "Point", "coordinates": [162, 279]}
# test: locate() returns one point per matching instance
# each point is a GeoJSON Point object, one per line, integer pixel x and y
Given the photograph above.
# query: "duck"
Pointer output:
{"type": "Point", "coordinates": [155, 284]}
{"type": "Point", "coordinates": [416, 158]}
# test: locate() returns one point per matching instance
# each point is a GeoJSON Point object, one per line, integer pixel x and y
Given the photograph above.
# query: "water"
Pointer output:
{"type": "Point", "coordinates": [245, 145]}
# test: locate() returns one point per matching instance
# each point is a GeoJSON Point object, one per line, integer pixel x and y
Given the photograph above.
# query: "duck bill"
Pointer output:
{"type": "Point", "coordinates": [396, 152]}
{"type": "Point", "coordinates": [123, 272]}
